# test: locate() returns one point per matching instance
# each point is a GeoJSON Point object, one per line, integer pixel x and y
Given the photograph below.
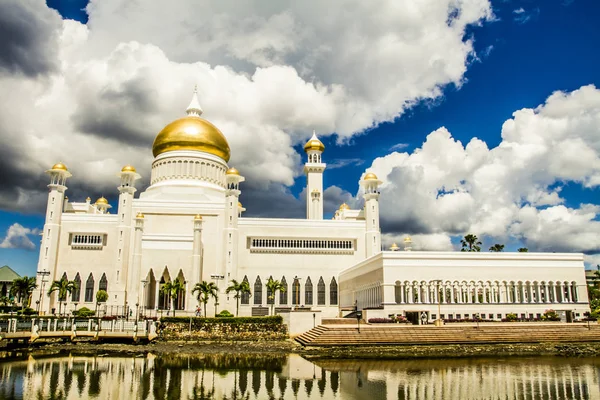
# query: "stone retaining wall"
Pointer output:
{"type": "Point", "coordinates": [234, 329]}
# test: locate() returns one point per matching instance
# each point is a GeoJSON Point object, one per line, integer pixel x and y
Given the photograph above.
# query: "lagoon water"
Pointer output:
{"type": "Point", "coordinates": [230, 376]}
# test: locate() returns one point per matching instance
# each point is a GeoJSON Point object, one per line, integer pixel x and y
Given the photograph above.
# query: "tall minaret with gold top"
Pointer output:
{"type": "Point", "coordinates": [371, 184]}
{"type": "Point", "coordinates": [314, 177]}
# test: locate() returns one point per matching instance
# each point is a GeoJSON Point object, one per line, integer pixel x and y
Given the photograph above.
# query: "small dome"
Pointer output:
{"type": "Point", "coordinates": [88, 198]}
{"type": "Point", "coordinates": [407, 239]}
{"type": "Point", "coordinates": [198, 217]}
{"type": "Point", "coordinates": [232, 171]}
{"type": "Point", "coordinates": [344, 206]}
{"type": "Point", "coordinates": [139, 215]}
{"type": "Point", "coordinates": [101, 201]}
{"type": "Point", "coordinates": [370, 177]}
{"type": "Point", "coordinates": [128, 168]}
{"type": "Point", "coordinates": [394, 247]}
{"type": "Point", "coordinates": [314, 144]}
{"type": "Point", "coordinates": [60, 166]}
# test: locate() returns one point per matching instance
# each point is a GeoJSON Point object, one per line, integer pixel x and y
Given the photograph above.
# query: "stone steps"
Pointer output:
{"type": "Point", "coordinates": [372, 335]}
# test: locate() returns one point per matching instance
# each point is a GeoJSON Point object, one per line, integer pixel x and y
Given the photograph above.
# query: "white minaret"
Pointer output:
{"type": "Point", "coordinates": [134, 281]}
{"type": "Point", "coordinates": [314, 178]}
{"type": "Point", "coordinates": [128, 177]}
{"type": "Point", "coordinates": [232, 211]}
{"type": "Point", "coordinates": [370, 184]}
{"type": "Point", "coordinates": [50, 237]}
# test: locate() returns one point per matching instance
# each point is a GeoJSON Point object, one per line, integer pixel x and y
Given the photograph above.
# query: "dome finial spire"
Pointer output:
{"type": "Point", "coordinates": [194, 109]}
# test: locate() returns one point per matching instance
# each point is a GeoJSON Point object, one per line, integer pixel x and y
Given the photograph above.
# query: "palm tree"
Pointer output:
{"type": "Point", "coordinates": [522, 249]}
{"type": "Point", "coordinates": [470, 243]}
{"type": "Point", "coordinates": [206, 290]}
{"type": "Point", "coordinates": [240, 288]}
{"type": "Point", "coordinates": [497, 248]}
{"type": "Point", "coordinates": [172, 289]}
{"type": "Point", "coordinates": [22, 289]}
{"type": "Point", "coordinates": [64, 287]}
{"type": "Point", "coordinates": [597, 273]}
{"type": "Point", "coordinates": [272, 287]}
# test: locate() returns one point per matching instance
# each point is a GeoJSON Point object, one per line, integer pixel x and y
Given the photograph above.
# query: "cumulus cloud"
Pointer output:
{"type": "Point", "coordinates": [17, 237]}
{"type": "Point", "coordinates": [510, 191]}
{"type": "Point", "coordinates": [28, 33]}
{"type": "Point", "coordinates": [94, 96]}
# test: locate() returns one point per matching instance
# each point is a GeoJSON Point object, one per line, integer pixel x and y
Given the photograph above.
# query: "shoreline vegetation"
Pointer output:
{"type": "Point", "coordinates": [285, 347]}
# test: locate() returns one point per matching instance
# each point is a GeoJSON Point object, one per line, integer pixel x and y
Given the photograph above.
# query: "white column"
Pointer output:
{"type": "Point", "coordinates": [402, 293]}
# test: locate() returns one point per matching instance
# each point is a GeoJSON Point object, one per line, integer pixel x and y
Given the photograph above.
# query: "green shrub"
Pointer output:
{"type": "Point", "coordinates": [84, 312]}
{"type": "Point", "coordinates": [27, 311]}
{"type": "Point", "coordinates": [101, 296]}
{"type": "Point", "coordinates": [550, 315]}
{"type": "Point", "coordinates": [272, 320]}
{"type": "Point", "coordinates": [225, 314]}
{"type": "Point", "coordinates": [511, 317]}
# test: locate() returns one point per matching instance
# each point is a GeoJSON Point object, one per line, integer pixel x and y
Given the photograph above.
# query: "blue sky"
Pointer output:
{"type": "Point", "coordinates": [527, 51]}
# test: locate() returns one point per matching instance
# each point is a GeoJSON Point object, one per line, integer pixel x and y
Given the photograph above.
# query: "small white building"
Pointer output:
{"type": "Point", "coordinates": [462, 285]}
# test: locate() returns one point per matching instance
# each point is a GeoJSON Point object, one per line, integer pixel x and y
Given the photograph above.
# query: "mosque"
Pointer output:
{"type": "Point", "coordinates": [188, 225]}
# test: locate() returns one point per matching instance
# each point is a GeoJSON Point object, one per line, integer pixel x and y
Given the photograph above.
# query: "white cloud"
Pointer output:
{"type": "Point", "coordinates": [398, 146]}
{"type": "Point", "coordinates": [420, 242]}
{"type": "Point", "coordinates": [519, 10]}
{"type": "Point", "coordinates": [267, 73]}
{"type": "Point", "coordinates": [512, 190]}
{"type": "Point", "coordinates": [17, 237]}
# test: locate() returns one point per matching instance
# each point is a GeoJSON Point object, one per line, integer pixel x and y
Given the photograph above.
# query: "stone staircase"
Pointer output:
{"type": "Point", "coordinates": [411, 335]}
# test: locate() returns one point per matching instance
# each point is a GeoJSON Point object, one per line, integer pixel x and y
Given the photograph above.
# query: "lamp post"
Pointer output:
{"type": "Point", "coordinates": [43, 274]}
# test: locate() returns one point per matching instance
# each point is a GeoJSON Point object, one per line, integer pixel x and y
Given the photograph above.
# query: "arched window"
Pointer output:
{"type": "Point", "coordinates": [63, 278]}
{"type": "Point", "coordinates": [257, 291]}
{"type": "Point", "coordinates": [283, 294]}
{"type": "Point", "coordinates": [270, 294]}
{"type": "Point", "coordinates": [245, 296]}
{"type": "Point", "coordinates": [321, 292]}
{"type": "Point", "coordinates": [333, 292]}
{"type": "Point", "coordinates": [296, 291]}
{"type": "Point", "coordinates": [103, 285]}
{"type": "Point", "coordinates": [308, 292]}
{"type": "Point", "coordinates": [76, 293]}
{"type": "Point", "coordinates": [89, 289]}
{"type": "Point", "coordinates": [180, 298]}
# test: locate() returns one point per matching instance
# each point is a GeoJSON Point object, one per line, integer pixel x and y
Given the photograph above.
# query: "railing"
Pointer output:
{"type": "Point", "coordinates": [39, 326]}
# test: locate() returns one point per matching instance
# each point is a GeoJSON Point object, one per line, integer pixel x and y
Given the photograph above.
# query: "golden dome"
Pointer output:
{"type": "Point", "coordinates": [139, 215]}
{"type": "Point", "coordinates": [60, 166]}
{"type": "Point", "coordinates": [232, 171]}
{"type": "Point", "coordinates": [407, 239]}
{"type": "Point", "coordinates": [88, 198]}
{"type": "Point", "coordinates": [128, 168]}
{"type": "Point", "coordinates": [344, 206]}
{"type": "Point", "coordinates": [198, 217]}
{"type": "Point", "coordinates": [394, 247]}
{"type": "Point", "coordinates": [191, 133]}
{"type": "Point", "coordinates": [101, 201]}
{"type": "Point", "coordinates": [314, 144]}
{"type": "Point", "coordinates": [370, 177]}
{"type": "Point", "coordinates": [240, 204]}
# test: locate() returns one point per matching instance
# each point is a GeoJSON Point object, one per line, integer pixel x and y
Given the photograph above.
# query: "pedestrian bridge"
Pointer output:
{"type": "Point", "coordinates": [30, 330]}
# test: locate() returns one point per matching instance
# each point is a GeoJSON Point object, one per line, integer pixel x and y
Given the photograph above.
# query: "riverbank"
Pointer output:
{"type": "Point", "coordinates": [284, 347]}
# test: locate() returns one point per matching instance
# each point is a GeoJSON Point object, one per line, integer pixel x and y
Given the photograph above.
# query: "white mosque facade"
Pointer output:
{"type": "Point", "coordinates": [188, 225]}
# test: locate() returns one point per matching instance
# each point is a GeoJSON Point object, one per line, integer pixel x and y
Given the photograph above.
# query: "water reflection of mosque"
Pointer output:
{"type": "Point", "coordinates": [232, 376]}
